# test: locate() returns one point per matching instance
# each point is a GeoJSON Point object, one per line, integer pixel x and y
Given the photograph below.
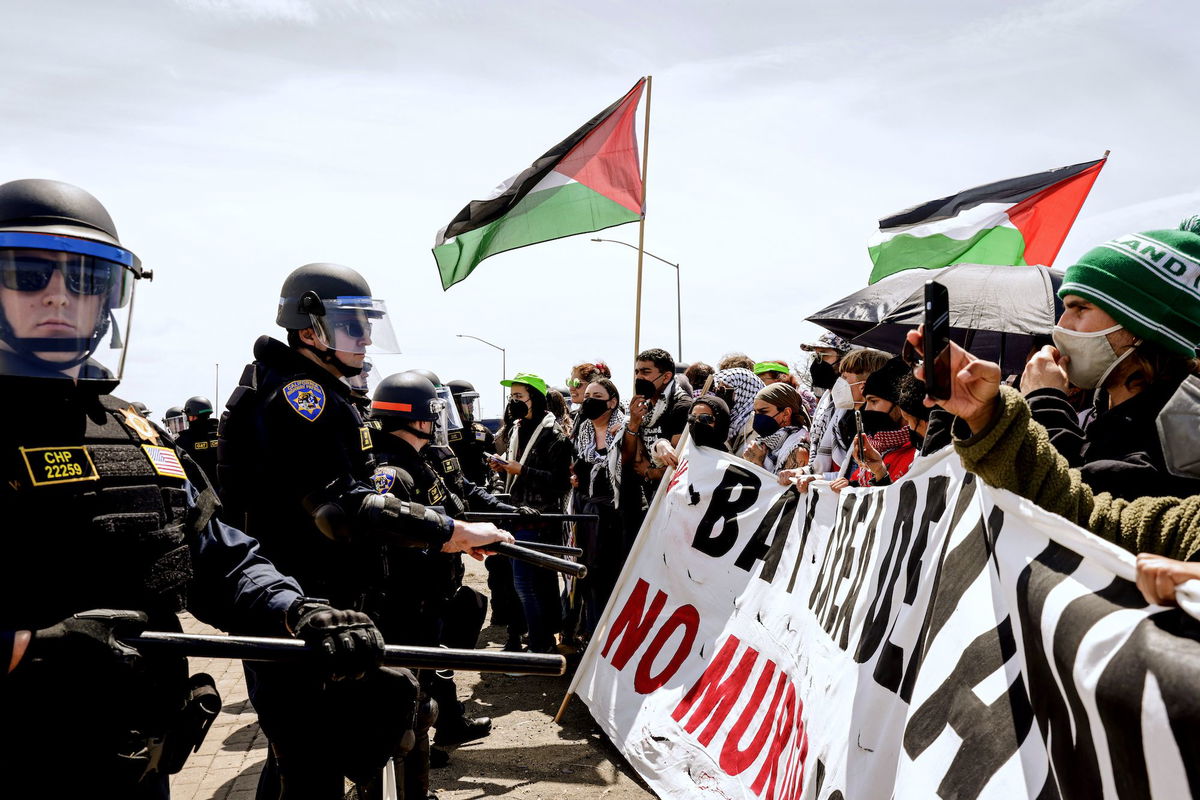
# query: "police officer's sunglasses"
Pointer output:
{"type": "Point", "coordinates": [30, 271]}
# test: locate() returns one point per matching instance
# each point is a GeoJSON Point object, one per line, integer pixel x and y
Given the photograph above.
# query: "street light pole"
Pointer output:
{"type": "Point", "coordinates": [678, 298]}
{"type": "Point", "coordinates": [503, 362]}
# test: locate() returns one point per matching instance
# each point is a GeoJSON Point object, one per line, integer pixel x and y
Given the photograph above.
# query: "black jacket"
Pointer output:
{"type": "Point", "coordinates": [1119, 452]}
{"type": "Point", "coordinates": [545, 478]}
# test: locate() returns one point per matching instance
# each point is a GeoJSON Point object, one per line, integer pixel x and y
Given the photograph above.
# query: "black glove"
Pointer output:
{"type": "Point", "coordinates": [347, 643]}
{"type": "Point", "coordinates": [90, 640]}
{"type": "Point", "coordinates": [528, 511]}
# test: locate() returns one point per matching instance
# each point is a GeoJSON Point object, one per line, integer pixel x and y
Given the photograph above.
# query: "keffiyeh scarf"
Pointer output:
{"type": "Point", "coordinates": [745, 385]}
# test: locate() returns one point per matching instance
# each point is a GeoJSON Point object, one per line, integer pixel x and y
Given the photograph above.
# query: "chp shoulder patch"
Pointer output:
{"type": "Point", "coordinates": [385, 479]}
{"type": "Point", "coordinates": [307, 398]}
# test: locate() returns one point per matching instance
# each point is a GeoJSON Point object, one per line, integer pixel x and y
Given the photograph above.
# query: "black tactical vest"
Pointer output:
{"type": "Point", "coordinates": [95, 512]}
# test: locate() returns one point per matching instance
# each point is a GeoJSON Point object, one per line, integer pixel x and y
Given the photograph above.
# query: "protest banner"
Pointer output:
{"type": "Point", "coordinates": [935, 638]}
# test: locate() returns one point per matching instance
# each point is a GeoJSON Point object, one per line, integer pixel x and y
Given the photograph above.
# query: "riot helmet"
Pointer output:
{"type": "Point", "coordinates": [402, 399]}
{"type": "Point", "coordinates": [174, 420]}
{"type": "Point", "coordinates": [466, 400]}
{"type": "Point", "coordinates": [197, 407]}
{"type": "Point", "coordinates": [336, 302]}
{"type": "Point", "coordinates": [66, 284]}
{"type": "Point", "coordinates": [142, 408]}
{"type": "Point", "coordinates": [452, 417]}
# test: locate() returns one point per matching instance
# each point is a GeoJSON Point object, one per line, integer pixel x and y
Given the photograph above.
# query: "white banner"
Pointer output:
{"type": "Point", "coordinates": [937, 638]}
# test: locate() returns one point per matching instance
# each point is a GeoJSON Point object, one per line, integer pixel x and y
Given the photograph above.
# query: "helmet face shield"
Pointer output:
{"type": "Point", "coordinates": [453, 420]}
{"type": "Point", "coordinates": [355, 325]}
{"type": "Point", "coordinates": [175, 425]}
{"type": "Point", "coordinates": [64, 305]}
{"type": "Point", "coordinates": [468, 404]}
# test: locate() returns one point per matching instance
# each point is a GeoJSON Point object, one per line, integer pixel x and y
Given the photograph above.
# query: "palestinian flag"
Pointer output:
{"type": "Point", "coordinates": [1016, 221]}
{"type": "Point", "coordinates": [587, 182]}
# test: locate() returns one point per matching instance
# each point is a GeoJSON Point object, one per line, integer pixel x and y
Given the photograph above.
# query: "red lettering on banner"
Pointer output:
{"type": "Point", "coordinates": [787, 724]}
{"type": "Point", "coordinates": [714, 692]}
{"type": "Point", "coordinates": [686, 617]}
{"type": "Point", "coordinates": [682, 468]}
{"type": "Point", "coordinates": [634, 621]}
{"type": "Point", "coordinates": [735, 760]}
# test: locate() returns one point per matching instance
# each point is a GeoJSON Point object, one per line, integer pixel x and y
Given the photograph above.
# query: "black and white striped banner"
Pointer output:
{"type": "Point", "coordinates": [937, 638]}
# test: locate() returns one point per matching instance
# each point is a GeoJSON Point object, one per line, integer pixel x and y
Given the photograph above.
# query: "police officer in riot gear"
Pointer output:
{"type": "Point", "coordinates": [174, 422]}
{"type": "Point", "coordinates": [296, 471]}
{"type": "Point", "coordinates": [199, 439]}
{"type": "Point", "coordinates": [111, 528]}
{"type": "Point", "coordinates": [473, 441]}
{"type": "Point", "coordinates": [409, 416]}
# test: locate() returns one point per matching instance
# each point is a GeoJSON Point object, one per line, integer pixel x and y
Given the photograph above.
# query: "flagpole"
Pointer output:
{"type": "Point", "coordinates": [637, 314]}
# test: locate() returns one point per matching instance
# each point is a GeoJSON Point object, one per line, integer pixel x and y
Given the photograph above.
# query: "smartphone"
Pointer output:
{"type": "Point", "coordinates": [937, 341]}
{"type": "Point", "coordinates": [859, 433]}
{"type": "Point", "coordinates": [495, 459]}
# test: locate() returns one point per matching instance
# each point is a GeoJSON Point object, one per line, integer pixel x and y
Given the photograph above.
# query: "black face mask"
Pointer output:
{"type": "Point", "coordinates": [644, 388]}
{"type": "Point", "coordinates": [822, 373]}
{"type": "Point", "coordinates": [517, 409]}
{"type": "Point", "coordinates": [707, 436]}
{"type": "Point", "coordinates": [593, 408]}
{"type": "Point", "coordinates": [878, 421]}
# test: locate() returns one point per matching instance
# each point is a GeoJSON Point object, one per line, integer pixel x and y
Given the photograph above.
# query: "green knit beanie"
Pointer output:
{"type": "Point", "coordinates": [1147, 282]}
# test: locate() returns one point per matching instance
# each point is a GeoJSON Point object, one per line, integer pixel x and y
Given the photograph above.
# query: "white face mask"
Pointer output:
{"type": "Point", "coordinates": [1092, 357]}
{"type": "Point", "coordinates": [843, 396]}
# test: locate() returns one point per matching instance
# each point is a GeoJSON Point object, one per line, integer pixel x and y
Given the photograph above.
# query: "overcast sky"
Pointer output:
{"type": "Point", "coordinates": [234, 140]}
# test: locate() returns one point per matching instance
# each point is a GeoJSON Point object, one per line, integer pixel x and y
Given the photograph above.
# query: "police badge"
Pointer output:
{"type": "Point", "coordinates": [306, 398]}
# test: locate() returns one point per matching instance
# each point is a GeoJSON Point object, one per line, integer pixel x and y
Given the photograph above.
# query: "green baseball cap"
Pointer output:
{"type": "Point", "coordinates": [771, 366]}
{"type": "Point", "coordinates": [529, 379]}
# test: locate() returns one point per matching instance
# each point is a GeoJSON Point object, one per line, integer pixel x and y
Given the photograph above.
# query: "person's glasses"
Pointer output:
{"type": "Point", "coordinates": [702, 419]}
{"type": "Point", "coordinates": [86, 275]}
{"type": "Point", "coordinates": [573, 383]}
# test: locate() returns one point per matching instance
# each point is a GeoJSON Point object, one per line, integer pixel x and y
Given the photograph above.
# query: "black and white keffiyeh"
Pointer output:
{"type": "Point", "coordinates": [745, 385]}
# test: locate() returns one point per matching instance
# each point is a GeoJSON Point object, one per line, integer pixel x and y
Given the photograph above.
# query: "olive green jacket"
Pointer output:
{"type": "Point", "coordinates": [1015, 453]}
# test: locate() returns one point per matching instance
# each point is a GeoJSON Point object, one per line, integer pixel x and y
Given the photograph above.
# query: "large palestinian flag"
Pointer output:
{"type": "Point", "coordinates": [1016, 221]}
{"type": "Point", "coordinates": [586, 182]}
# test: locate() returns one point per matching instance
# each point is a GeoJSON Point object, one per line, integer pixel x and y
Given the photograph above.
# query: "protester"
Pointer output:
{"type": "Point", "coordinates": [1007, 448]}
{"type": "Point", "coordinates": [577, 382]}
{"type": "Point", "coordinates": [776, 371]}
{"type": "Point", "coordinates": [782, 427]}
{"type": "Point", "coordinates": [832, 450]}
{"type": "Point", "coordinates": [737, 386]}
{"type": "Point", "coordinates": [889, 450]}
{"type": "Point", "coordinates": [537, 469]}
{"type": "Point", "coordinates": [597, 472]}
{"type": "Point", "coordinates": [1129, 328]}
{"type": "Point", "coordinates": [556, 404]}
{"type": "Point", "coordinates": [735, 361]}
{"type": "Point", "coordinates": [697, 374]}
{"type": "Point", "coordinates": [708, 422]}
{"type": "Point", "coordinates": [657, 415]}
{"type": "Point", "coordinates": [827, 351]}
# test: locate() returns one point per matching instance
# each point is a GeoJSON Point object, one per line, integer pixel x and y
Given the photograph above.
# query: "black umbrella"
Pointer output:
{"type": "Point", "coordinates": [995, 311]}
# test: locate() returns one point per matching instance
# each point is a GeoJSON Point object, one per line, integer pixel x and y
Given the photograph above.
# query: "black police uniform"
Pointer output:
{"type": "Point", "coordinates": [472, 444]}
{"type": "Point", "coordinates": [296, 470]}
{"type": "Point", "coordinates": [102, 512]}
{"type": "Point", "coordinates": [199, 439]}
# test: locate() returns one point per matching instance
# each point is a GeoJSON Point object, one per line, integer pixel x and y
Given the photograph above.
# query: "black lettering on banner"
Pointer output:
{"type": "Point", "coordinates": [840, 615]}
{"type": "Point", "coordinates": [778, 519]}
{"type": "Point", "coordinates": [1062, 720]}
{"type": "Point", "coordinates": [889, 669]}
{"type": "Point", "coordinates": [1163, 645]}
{"type": "Point", "coordinates": [737, 492]}
{"type": "Point", "coordinates": [962, 565]}
{"type": "Point", "coordinates": [990, 733]}
{"type": "Point", "coordinates": [880, 610]}
{"type": "Point", "coordinates": [822, 591]}
{"type": "Point", "coordinates": [812, 499]}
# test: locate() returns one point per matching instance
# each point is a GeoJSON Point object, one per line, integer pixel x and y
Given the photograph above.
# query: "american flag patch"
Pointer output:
{"type": "Point", "coordinates": [164, 461]}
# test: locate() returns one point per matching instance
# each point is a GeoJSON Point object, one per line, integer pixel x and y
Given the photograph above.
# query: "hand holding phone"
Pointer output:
{"type": "Point", "coordinates": [937, 341]}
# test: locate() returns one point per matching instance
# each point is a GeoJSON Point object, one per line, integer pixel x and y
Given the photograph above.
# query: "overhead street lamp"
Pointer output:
{"type": "Point", "coordinates": [678, 300]}
{"type": "Point", "coordinates": [503, 363]}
